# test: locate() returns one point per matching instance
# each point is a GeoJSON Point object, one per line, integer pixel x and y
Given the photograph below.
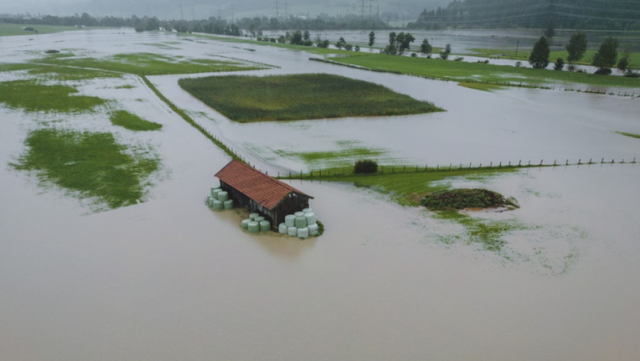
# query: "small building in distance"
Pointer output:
{"type": "Point", "coordinates": [256, 191]}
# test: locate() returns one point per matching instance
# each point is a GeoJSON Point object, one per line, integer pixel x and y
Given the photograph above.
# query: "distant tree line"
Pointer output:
{"type": "Point", "coordinates": [568, 14]}
{"type": "Point", "coordinates": [212, 25]}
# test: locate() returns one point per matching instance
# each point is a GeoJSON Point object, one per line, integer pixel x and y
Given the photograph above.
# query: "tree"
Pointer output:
{"type": "Point", "coordinates": [539, 57]}
{"type": "Point", "coordinates": [341, 43]}
{"type": "Point", "coordinates": [404, 42]}
{"type": "Point", "coordinates": [445, 53]}
{"type": "Point", "coordinates": [425, 47]}
{"type": "Point", "coordinates": [577, 46]}
{"type": "Point", "coordinates": [559, 64]}
{"type": "Point", "coordinates": [551, 29]}
{"type": "Point", "coordinates": [623, 63]}
{"type": "Point", "coordinates": [296, 39]}
{"type": "Point", "coordinates": [372, 38]}
{"type": "Point", "coordinates": [306, 36]}
{"type": "Point", "coordinates": [607, 54]}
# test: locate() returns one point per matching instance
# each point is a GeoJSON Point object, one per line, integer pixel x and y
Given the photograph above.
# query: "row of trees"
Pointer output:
{"type": "Point", "coordinates": [605, 58]}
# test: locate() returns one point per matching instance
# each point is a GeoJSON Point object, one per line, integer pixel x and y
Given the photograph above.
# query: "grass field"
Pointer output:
{"type": "Point", "coordinates": [132, 122]}
{"type": "Point", "coordinates": [16, 29]}
{"type": "Point", "coordinates": [92, 165]}
{"type": "Point", "coordinates": [500, 74]}
{"type": "Point", "coordinates": [294, 97]}
{"type": "Point", "coordinates": [33, 97]}
{"type": "Point", "coordinates": [148, 64]}
{"type": "Point", "coordinates": [523, 55]}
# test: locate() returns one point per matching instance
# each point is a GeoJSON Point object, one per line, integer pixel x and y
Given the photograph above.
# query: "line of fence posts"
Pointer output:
{"type": "Point", "coordinates": [416, 169]}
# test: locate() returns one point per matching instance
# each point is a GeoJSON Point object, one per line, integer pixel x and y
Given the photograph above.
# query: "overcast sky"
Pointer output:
{"type": "Point", "coordinates": [188, 9]}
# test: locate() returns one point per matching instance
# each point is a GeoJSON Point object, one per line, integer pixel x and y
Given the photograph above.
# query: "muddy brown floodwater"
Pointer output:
{"type": "Point", "coordinates": [169, 279]}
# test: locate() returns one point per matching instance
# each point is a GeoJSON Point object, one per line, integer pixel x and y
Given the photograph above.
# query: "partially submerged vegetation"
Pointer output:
{"type": "Point", "coordinates": [149, 64]}
{"type": "Point", "coordinates": [33, 96]}
{"type": "Point", "coordinates": [19, 29]}
{"type": "Point", "coordinates": [133, 122]}
{"type": "Point", "coordinates": [304, 96]}
{"type": "Point", "coordinates": [413, 189]}
{"type": "Point", "coordinates": [460, 71]}
{"type": "Point", "coordinates": [631, 135]}
{"type": "Point", "coordinates": [92, 165]}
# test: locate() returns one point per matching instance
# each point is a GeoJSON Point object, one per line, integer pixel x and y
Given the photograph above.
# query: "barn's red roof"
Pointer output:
{"type": "Point", "coordinates": [256, 185]}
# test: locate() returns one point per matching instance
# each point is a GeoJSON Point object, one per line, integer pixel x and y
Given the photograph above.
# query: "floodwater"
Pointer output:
{"type": "Point", "coordinates": [463, 41]}
{"type": "Point", "coordinates": [169, 279]}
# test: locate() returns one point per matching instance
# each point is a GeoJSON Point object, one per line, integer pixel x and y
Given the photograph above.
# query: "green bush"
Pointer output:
{"type": "Point", "coordinates": [365, 166]}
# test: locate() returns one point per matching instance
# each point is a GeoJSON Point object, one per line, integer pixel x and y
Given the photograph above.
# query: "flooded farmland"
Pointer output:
{"type": "Point", "coordinates": [169, 279]}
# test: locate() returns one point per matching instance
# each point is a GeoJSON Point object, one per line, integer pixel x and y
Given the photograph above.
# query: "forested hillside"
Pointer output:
{"type": "Point", "coordinates": [567, 14]}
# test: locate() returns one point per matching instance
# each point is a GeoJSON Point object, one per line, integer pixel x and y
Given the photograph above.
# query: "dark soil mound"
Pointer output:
{"type": "Point", "coordinates": [465, 198]}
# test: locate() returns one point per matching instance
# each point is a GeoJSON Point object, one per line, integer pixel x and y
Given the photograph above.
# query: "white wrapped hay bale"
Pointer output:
{"type": "Point", "coordinates": [254, 227]}
{"type": "Point", "coordinates": [265, 226]}
{"type": "Point", "coordinates": [311, 218]}
{"type": "Point", "coordinates": [290, 220]}
{"type": "Point", "coordinates": [313, 230]}
{"type": "Point", "coordinates": [303, 233]}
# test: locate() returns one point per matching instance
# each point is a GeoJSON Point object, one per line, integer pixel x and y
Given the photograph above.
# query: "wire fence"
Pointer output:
{"type": "Point", "coordinates": [403, 169]}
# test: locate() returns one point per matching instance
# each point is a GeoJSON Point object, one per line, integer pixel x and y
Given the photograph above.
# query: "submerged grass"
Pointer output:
{"type": "Point", "coordinates": [32, 96]}
{"type": "Point", "coordinates": [130, 121]}
{"type": "Point", "coordinates": [490, 234]}
{"type": "Point", "coordinates": [408, 189]}
{"type": "Point", "coordinates": [150, 64]}
{"type": "Point", "coordinates": [91, 164]}
{"type": "Point", "coordinates": [481, 86]}
{"type": "Point", "coordinates": [406, 186]}
{"type": "Point", "coordinates": [61, 73]}
{"type": "Point", "coordinates": [304, 96]}
{"type": "Point", "coordinates": [629, 135]}
{"type": "Point", "coordinates": [341, 157]}
{"type": "Point", "coordinates": [458, 70]}
{"type": "Point", "coordinates": [16, 29]}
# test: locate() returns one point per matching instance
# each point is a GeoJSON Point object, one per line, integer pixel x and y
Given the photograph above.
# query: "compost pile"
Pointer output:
{"type": "Point", "coordinates": [466, 198]}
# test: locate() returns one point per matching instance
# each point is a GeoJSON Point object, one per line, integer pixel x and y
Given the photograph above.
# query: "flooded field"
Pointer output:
{"type": "Point", "coordinates": [168, 279]}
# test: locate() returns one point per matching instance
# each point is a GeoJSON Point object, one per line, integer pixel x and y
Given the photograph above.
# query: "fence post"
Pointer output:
{"type": "Point", "coordinates": [541, 162]}
{"type": "Point", "coordinates": [602, 161]}
{"type": "Point", "coordinates": [500, 165]}
{"type": "Point", "coordinates": [554, 162]}
{"type": "Point", "coordinates": [579, 161]}
{"type": "Point", "coordinates": [567, 163]}
{"type": "Point", "coordinates": [520, 163]}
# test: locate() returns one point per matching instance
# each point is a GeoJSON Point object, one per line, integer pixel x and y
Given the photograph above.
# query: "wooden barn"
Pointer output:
{"type": "Point", "coordinates": [260, 193]}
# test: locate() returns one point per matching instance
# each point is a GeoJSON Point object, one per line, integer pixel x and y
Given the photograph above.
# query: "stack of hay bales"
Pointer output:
{"type": "Point", "coordinates": [301, 224]}
{"type": "Point", "coordinates": [255, 223]}
{"type": "Point", "coordinates": [219, 199]}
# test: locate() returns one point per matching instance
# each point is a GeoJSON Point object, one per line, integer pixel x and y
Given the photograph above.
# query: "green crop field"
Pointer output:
{"type": "Point", "coordinates": [295, 97]}
{"type": "Point", "coordinates": [16, 29]}
{"type": "Point", "coordinates": [460, 71]}
{"type": "Point", "coordinates": [91, 164]}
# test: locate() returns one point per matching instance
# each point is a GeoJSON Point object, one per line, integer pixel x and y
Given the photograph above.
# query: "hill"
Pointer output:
{"type": "Point", "coordinates": [567, 14]}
